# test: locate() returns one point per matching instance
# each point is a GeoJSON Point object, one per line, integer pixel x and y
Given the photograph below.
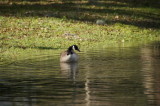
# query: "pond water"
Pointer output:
{"type": "Point", "coordinates": [123, 76]}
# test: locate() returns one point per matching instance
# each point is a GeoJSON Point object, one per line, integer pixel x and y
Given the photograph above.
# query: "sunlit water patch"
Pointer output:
{"type": "Point", "coordinates": [102, 77]}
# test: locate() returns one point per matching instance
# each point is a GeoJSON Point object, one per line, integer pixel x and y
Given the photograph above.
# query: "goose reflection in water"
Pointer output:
{"type": "Point", "coordinates": [69, 69]}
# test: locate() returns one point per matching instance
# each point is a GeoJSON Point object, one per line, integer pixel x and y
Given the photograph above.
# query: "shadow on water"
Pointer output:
{"type": "Point", "coordinates": [106, 76]}
{"type": "Point", "coordinates": [84, 11]}
{"type": "Point", "coordinates": [69, 69]}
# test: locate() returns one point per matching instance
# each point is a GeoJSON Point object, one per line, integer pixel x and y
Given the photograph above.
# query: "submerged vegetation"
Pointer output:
{"type": "Point", "coordinates": [50, 24]}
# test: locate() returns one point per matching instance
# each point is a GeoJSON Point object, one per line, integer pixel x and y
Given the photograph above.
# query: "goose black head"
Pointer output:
{"type": "Point", "coordinates": [73, 47]}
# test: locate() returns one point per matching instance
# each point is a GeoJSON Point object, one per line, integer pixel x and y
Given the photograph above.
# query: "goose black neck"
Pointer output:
{"type": "Point", "coordinates": [70, 50]}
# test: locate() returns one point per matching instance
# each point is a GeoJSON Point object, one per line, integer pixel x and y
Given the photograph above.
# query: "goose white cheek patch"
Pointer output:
{"type": "Point", "coordinates": [73, 48]}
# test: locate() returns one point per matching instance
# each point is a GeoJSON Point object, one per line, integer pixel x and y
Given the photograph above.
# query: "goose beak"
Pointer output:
{"type": "Point", "coordinates": [78, 50]}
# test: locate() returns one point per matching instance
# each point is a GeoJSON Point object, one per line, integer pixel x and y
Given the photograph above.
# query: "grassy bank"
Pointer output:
{"type": "Point", "coordinates": [44, 25]}
{"type": "Point", "coordinates": [48, 33]}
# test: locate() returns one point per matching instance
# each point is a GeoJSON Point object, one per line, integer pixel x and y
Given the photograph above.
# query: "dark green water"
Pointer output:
{"type": "Point", "coordinates": [103, 77]}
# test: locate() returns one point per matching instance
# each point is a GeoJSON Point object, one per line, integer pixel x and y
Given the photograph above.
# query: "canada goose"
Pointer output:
{"type": "Point", "coordinates": [70, 55]}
